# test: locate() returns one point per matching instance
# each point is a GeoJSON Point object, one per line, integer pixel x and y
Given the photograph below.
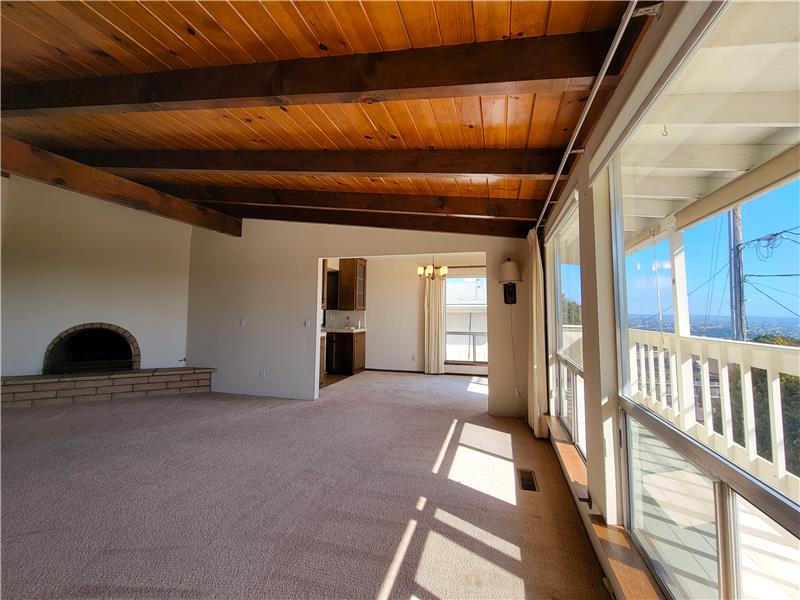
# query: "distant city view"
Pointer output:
{"type": "Point", "coordinates": [719, 327]}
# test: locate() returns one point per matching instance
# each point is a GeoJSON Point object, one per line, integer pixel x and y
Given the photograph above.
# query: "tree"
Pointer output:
{"type": "Point", "coordinates": [790, 399]}
{"type": "Point", "coordinates": [570, 311]}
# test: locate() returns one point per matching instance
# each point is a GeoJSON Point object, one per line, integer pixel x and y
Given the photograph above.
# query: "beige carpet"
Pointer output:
{"type": "Point", "coordinates": [390, 485]}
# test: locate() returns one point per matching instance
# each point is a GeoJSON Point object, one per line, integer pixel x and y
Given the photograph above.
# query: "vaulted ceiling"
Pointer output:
{"type": "Point", "coordinates": [449, 115]}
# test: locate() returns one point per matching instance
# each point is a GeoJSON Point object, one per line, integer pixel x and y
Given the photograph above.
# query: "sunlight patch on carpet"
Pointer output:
{"type": "Point", "coordinates": [488, 440]}
{"type": "Point", "coordinates": [485, 473]}
{"type": "Point", "coordinates": [449, 570]}
{"type": "Point", "coordinates": [397, 561]}
{"type": "Point", "coordinates": [479, 534]}
{"type": "Point", "coordinates": [443, 450]}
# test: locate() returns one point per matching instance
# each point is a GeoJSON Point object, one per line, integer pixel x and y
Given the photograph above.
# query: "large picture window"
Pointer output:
{"type": "Point", "coordinates": [707, 229]}
{"type": "Point", "coordinates": [466, 324]}
{"type": "Point", "coordinates": [567, 334]}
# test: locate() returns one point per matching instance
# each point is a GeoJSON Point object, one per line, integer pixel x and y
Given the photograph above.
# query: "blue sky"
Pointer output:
{"type": "Point", "coordinates": [706, 246]}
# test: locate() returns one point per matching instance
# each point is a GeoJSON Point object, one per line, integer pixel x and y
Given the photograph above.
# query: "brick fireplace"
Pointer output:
{"type": "Point", "coordinates": [92, 347]}
{"type": "Point", "coordinates": [96, 362]}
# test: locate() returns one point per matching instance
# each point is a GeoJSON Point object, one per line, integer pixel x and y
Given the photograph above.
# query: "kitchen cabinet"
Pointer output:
{"type": "Point", "coordinates": [345, 352]}
{"type": "Point", "coordinates": [359, 351]}
{"type": "Point", "coordinates": [352, 284]}
{"type": "Point", "coordinates": [332, 293]}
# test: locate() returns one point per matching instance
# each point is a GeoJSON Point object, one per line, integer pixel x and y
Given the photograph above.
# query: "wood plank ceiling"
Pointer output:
{"type": "Point", "coordinates": [337, 137]}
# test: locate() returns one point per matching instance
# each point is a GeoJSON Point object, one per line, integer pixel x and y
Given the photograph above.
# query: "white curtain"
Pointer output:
{"type": "Point", "coordinates": [434, 325]}
{"type": "Point", "coordinates": [537, 357]}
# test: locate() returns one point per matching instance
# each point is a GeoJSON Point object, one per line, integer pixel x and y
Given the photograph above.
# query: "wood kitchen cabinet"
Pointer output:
{"type": "Point", "coordinates": [352, 284]}
{"type": "Point", "coordinates": [345, 352]}
{"type": "Point", "coordinates": [332, 292]}
{"type": "Point", "coordinates": [359, 351]}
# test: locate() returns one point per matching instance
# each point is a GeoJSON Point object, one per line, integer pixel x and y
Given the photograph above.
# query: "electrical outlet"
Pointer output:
{"type": "Point", "coordinates": [413, 358]}
{"type": "Point", "coordinates": [242, 322]}
{"type": "Point", "coordinates": [307, 323]}
{"type": "Point", "coordinates": [262, 374]}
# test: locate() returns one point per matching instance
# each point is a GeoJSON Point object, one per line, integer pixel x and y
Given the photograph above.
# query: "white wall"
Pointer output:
{"type": "Point", "coordinates": [270, 277]}
{"type": "Point", "coordinates": [396, 319]}
{"type": "Point", "coordinates": [69, 259]}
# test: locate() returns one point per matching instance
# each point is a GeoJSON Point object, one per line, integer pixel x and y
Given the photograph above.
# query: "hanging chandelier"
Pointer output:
{"type": "Point", "coordinates": [431, 271]}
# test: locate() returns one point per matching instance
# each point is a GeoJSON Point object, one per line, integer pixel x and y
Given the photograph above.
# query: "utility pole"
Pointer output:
{"type": "Point", "coordinates": [738, 321]}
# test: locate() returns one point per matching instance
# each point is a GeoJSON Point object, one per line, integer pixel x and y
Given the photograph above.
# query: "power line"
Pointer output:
{"type": "Point", "coordinates": [764, 285]}
{"type": "Point", "coordinates": [713, 265]}
{"type": "Point", "coordinates": [766, 244]}
{"type": "Point", "coordinates": [771, 241]}
{"type": "Point", "coordinates": [771, 298]}
{"type": "Point", "coordinates": [722, 296]}
{"type": "Point", "coordinates": [790, 231]}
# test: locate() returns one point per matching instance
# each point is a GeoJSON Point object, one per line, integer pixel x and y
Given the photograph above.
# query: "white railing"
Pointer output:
{"type": "Point", "coordinates": [692, 382]}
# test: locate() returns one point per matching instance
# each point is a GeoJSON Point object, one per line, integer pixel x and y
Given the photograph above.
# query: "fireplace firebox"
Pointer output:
{"type": "Point", "coordinates": [91, 348]}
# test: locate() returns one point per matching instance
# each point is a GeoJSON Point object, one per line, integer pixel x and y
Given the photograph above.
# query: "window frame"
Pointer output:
{"type": "Point", "coordinates": [556, 359]}
{"type": "Point", "coordinates": [729, 479]}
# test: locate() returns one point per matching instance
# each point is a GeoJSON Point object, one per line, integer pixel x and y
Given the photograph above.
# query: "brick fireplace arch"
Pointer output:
{"type": "Point", "coordinates": [127, 335]}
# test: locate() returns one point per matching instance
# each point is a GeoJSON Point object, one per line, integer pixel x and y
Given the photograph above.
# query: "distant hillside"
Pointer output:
{"type": "Point", "coordinates": [777, 340]}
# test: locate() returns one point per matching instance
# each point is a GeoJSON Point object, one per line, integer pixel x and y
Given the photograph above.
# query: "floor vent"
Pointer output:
{"type": "Point", "coordinates": [527, 481]}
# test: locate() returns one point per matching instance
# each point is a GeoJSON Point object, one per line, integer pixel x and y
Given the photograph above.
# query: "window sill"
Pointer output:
{"type": "Point", "coordinates": [466, 363]}
{"type": "Point", "coordinates": [621, 560]}
{"type": "Point", "coordinates": [570, 458]}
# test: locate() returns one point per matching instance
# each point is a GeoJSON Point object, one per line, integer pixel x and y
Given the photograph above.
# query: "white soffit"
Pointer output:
{"type": "Point", "coordinates": [734, 106]}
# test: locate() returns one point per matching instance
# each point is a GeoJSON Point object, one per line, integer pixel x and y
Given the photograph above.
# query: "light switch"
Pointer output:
{"type": "Point", "coordinates": [307, 323]}
{"type": "Point", "coordinates": [242, 322]}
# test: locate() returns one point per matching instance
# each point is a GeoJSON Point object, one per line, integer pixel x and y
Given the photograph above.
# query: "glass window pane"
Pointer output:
{"type": "Point", "coordinates": [580, 414]}
{"type": "Point", "coordinates": [565, 290]}
{"type": "Point", "coordinates": [790, 398]}
{"type": "Point", "coordinates": [672, 515]}
{"type": "Point", "coordinates": [569, 278]}
{"type": "Point", "coordinates": [566, 386]}
{"type": "Point", "coordinates": [649, 286]}
{"type": "Point", "coordinates": [767, 555]}
{"type": "Point", "coordinates": [465, 319]}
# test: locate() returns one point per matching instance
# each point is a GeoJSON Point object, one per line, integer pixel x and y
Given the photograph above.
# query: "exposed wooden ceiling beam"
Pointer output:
{"type": "Point", "coordinates": [28, 161]}
{"type": "Point", "coordinates": [528, 65]}
{"type": "Point", "coordinates": [520, 164]}
{"type": "Point", "coordinates": [440, 223]}
{"type": "Point", "coordinates": [525, 210]}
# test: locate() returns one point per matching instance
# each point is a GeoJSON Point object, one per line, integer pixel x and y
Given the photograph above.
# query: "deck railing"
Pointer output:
{"type": "Point", "coordinates": [729, 395]}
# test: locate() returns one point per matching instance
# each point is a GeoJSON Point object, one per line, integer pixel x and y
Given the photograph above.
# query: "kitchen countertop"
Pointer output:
{"type": "Point", "coordinates": [343, 330]}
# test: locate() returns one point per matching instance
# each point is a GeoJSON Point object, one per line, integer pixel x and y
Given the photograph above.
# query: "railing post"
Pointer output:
{"type": "Point", "coordinates": [776, 422]}
{"type": "Point", "coordinates": [725, 401]}
{"type": "Point", "coordinates": [705, 386]}
{"type": "Point", "coordinates": [749, 414]}
{"type": "Point", "coordinates": [662, 376]}
{"type": "Point", "coordinates": [652, 388]}
{"type": "Point", "coordinates": [684, 392]}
